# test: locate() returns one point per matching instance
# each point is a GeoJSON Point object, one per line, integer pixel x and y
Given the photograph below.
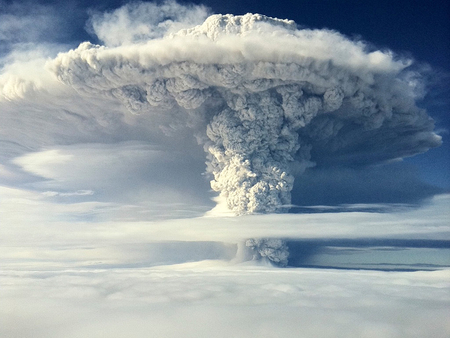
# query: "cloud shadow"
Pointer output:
{"type": "Point", "coordinates": [396, 183]}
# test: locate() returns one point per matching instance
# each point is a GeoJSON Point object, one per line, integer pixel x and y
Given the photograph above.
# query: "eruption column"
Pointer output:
{"type": "Point", "coordinates": [268, 100]}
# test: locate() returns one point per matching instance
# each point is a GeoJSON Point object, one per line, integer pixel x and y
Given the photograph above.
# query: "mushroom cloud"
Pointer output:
{"type": "Point", "coordinates": [265, 98]}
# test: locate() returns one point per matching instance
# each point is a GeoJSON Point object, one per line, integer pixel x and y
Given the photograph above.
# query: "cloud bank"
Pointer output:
{"type": "Point", "coordinates": [111, 277]}
{"type": "Point", "coordinates": [214, 301]}
{"type": "Point", "coordinates": [265, 99]}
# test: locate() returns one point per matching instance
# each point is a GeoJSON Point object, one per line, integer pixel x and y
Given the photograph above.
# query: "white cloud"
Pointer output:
{"type": "Point", "coordinates": [128, 172]}
{"type": "Point", "coordinates": [116, 277]}
{"type": "Point", "coordinates": [213, 300]}
{"type": "Point", "coordinates": [29, 217]}
{"type": "Point", "coordinates": [140, 21]}
{"type": "Point", "coordinates": [74, 193]}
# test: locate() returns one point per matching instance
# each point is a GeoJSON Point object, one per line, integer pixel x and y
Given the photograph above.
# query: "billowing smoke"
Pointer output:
{"type": "Point", "coordinates": [274, 250]}
{"type": "Point", "coordinates": [265, 99]}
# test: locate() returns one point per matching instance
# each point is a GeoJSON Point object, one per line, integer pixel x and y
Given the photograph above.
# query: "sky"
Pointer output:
{"type": "Point", "coordinates": [168, 170]}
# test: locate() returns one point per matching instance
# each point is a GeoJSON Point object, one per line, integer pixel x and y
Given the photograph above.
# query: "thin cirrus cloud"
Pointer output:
{"type": "Point", "coordinates": [139, 21]}
{"type": "Point", "coordinates": [129, 172]}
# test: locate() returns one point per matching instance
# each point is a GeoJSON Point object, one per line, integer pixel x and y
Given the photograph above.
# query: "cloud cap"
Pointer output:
{"type": "Point", "coordinates": [266, 100]}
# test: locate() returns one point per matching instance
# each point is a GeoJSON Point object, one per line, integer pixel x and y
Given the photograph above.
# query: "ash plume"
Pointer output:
{"type": "Point", "coordinates": [275, 250]}
{"type": "Point", "coordinates": [265, 99]}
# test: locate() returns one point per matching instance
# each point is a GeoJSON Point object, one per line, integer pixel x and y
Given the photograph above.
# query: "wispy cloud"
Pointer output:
{"type": "Point", "coordinates": [74, 193]}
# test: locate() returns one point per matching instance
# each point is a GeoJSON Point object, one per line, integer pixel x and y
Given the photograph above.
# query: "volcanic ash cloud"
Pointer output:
{"type": "Point", "coordinates": [267, 99]}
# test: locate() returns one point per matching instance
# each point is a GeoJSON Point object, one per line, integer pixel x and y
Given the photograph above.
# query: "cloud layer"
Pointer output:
{"type": "Point", "coordinates": [211, 300]}
{"type": "Point", "coordinates": [117, 277]}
